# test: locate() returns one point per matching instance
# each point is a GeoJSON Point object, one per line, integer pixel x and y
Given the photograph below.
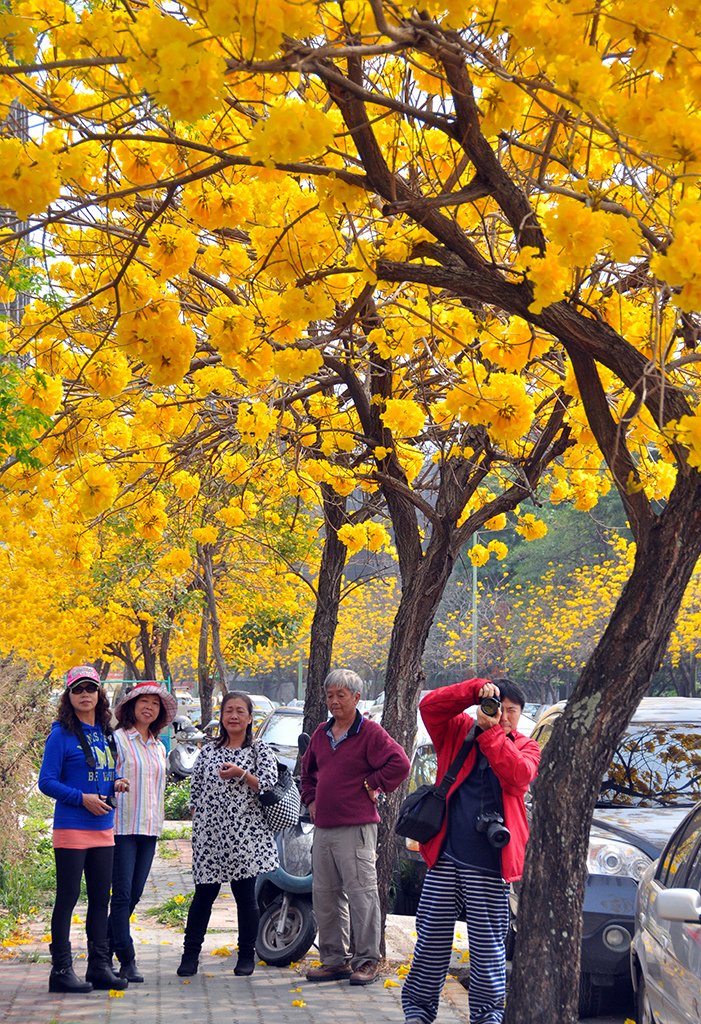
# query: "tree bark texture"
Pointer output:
{"type": "Point", "coordinates": [205, 555]}
{"type": "Point", "coordinates": [614, 681]}
{"type": "Point", "coordinates": [205, 684]}
{"type": "Point", "coordinates": [325, 621]}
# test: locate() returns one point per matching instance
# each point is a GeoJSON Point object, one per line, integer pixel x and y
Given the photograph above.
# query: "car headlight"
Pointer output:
{"type": "Point", "coordinates": [611, 857]}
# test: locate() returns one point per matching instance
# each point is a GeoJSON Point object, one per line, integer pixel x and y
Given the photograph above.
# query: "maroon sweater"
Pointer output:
{"type": "Point", "coordinates": [334, 779]}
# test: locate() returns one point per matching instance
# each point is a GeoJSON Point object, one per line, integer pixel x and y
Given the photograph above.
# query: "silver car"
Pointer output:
{"type": "Point", "coordinates": [666, 949]}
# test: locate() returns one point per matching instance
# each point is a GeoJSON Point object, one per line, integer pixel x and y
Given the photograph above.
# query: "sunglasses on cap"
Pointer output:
{"type": "Point", "coordinates": [85, 688]}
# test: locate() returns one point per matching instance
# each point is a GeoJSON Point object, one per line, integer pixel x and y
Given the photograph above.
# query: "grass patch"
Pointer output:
{"type": "Point", "coordinates": [172, 911]}
{"type": "Point", "coordinates": [166, 851]}
{"type": "Point", "coordinates": [184, 832]}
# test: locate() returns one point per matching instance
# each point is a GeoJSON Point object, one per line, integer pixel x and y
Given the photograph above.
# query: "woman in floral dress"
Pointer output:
{"type": "Point", "coordinates": [230, 839]}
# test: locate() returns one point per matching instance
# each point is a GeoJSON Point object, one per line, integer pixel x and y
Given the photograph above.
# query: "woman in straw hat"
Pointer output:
{"type": "Point", "coordinates": [141, 759]}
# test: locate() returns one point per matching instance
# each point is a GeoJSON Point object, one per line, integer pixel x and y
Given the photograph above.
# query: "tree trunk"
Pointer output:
{"type": "Point", "coordinates": [163, 651]}
{"type": "Point", "coordinates": [205, 684]}
{"type": "Point", "coordinates": [609, 689]}
{"type": "Point", "coordinates": [404, 680]}
{"type": "Point", "coordinates": [208, 578]}
{"type": "Point", "coordinates": [325, 621]}
{"type": "Point", "coordinates": [147, 651]}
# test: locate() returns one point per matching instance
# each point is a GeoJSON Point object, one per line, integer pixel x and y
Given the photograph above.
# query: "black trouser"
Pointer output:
{"type": "Point", "coordinates": [246, 909]}
{"type": "Point", "coordinates": [70, 865]}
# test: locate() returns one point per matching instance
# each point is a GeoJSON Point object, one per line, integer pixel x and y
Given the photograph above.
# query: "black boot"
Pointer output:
{"type": "Point", "coordinates": [127, 959]}
{"type": "Point", "coordinates": [190, 959]}
{"type": "Point", "coordinates": [100, 971]}
{"type": "Point", "coordinates": [245, 964]}
{"type": "Point", "coordinates": [63, 977]}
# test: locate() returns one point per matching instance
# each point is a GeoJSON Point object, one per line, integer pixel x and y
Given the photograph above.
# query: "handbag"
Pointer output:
{"type": "Point", "coordinates": [281, 805]}
{"type": "Point", "coordinates": [421, 813]}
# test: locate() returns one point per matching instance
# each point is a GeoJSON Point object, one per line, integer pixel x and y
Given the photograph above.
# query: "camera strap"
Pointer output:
{"type": "Point", "coordinates": [457, 763]}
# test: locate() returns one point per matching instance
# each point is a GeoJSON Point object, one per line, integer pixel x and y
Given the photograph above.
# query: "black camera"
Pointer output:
{"type": "Point", "coordinates": [492, 823]}
{"type": "Point", "coordinates": [490, 706]}
{"type": "Point", "coordinates": [111, 800]}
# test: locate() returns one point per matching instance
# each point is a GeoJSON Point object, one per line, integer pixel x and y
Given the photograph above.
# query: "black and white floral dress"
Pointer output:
{"type": "Point", "coordinates": [230, 839]}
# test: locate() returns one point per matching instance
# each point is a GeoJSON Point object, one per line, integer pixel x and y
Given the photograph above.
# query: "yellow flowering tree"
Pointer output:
{"type": "Point", "coordinates": [468, 233]}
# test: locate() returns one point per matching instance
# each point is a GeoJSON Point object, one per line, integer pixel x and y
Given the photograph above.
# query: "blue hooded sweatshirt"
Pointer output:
{"type": "Point", "coordinates": [65, 776]}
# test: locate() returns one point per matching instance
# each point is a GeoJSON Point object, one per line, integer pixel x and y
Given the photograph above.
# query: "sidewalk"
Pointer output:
{"type": "Point", "coordinates": [214, 995]}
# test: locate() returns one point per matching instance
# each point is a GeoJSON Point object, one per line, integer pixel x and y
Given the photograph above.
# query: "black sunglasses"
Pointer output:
{"type": "Point", "coordinates": [85, 688]}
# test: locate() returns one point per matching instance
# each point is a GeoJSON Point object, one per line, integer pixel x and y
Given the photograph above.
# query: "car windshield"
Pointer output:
{"type": "Point", "coordinates": [655, 764]}
{"type": "Point", "coordinates": [282, 729]}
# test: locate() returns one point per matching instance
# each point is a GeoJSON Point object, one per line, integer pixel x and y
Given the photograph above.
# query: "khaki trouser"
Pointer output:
{"type": "Point", "coordinates": [345, 894]}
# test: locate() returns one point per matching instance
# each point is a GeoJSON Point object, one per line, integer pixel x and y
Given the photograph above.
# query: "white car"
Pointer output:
{"type": "Point", "coordinates": [666, 950]}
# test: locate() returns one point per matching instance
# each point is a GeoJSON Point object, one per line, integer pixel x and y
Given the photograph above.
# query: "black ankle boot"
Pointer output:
{"type": "Point", "coordinates": [63, 978]}
{"type": "Point", "coordinates": [128, 969]}
{"type": "Point", "coordinates": [245, 965]}
{"type": "Point", "coordinates": [189, 962]}
{"type": "Point", "coordinates": [100, 972]}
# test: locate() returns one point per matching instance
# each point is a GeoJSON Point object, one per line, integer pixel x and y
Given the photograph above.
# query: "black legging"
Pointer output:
{"type": "Point", "coordinates": [246, 909]}
{"type": "Point", "coordinates": [70, 865]}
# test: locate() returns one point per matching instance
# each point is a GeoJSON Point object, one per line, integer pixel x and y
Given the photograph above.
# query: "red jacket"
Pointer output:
{"type": "Point", "coordinates": [514, 760]}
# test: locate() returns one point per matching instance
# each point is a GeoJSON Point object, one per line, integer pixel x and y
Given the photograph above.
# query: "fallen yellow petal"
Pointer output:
{"type": "Point", "coordinates": [298, 1002]}
{"type": "Point", "coordinates": [389, 983]}
{"type": "Point", "coordinates": [116, 993]}
{"type": "Point", "coordinates": [222, 951]}
{"type": "Point", "coordinates": [316, 963]}
{"type": "Point", "coordinates": [295, 990]}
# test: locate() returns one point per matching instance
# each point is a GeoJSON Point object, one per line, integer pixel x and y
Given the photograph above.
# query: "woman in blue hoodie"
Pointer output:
{"type": "Point", "coordinates": [78, 773]}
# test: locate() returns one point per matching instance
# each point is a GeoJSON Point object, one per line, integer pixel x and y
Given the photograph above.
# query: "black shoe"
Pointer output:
{"type": "Point", "coordinates": [188, 965]}
{"type": "Point", "coordinates": [63, 978]}
{"type": "Point", "coordinates": [245, 965]}
{"type": "Point", "coordinates": [100, 972]}
{"type": "Point", "coordinates": [128, 970]}
{"type": "Point", "coordinates": [127, 960]}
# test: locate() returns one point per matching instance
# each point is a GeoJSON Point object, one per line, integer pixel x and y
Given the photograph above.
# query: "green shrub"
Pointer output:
{"type": "Point", "coordinates": [27, 886]}
{"type": "Point", "coordinates": [177, 800]}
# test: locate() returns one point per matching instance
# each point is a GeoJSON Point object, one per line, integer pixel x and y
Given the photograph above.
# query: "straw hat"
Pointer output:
{"type": "Point", "coordinates": [168, 701]}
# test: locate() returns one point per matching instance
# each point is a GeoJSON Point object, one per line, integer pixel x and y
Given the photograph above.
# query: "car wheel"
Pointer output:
{"type": "Point", "coordinates": [296, 939]}
{"type": "Point", "coordinates": [643, 1012]}
{"type": "Point", "coordinates": [591, 997]}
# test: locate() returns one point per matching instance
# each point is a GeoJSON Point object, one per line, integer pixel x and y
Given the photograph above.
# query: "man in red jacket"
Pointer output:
{"type": "Point", "coordinates": [350, 759]}
{"type": "Point", "coordinates": [480, 847]}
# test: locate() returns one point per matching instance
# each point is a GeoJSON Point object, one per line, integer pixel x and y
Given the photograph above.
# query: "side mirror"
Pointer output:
{"type": "Point", "coordinates": [679, 905]}
{"type": "Point", "coordinates": [303, 741]}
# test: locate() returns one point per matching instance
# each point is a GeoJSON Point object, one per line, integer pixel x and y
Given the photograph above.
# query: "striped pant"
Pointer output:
{"type": "Point", "coordinates": [447, 888]}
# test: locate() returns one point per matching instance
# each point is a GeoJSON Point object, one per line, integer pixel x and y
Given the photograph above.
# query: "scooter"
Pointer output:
{"type": "Point", "coordinates": [185, 748]}
{"type": "Point", "coordinates": [287, 926]}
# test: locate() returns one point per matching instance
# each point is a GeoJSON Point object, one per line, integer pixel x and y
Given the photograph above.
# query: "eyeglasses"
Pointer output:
{"type": "Point", "coordinates": [85, 688]}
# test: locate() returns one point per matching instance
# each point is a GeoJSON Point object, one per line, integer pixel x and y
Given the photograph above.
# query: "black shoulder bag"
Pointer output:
{"type": "Point", "coordinates": [421, 813]}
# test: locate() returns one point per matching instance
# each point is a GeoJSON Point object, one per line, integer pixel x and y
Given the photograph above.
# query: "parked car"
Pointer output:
{"type": "Point", "coordinates": [665, 957]}
{"type": "Point", "coordinates": [652, 781]}
{"type": "Point", "coordinates": [281, 729]}
{"type": "Point", "coordinates": [410, 866]}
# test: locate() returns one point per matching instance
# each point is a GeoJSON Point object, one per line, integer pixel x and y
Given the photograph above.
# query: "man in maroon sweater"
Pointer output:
{"type": "Point", "coordinates": [349, 761]}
